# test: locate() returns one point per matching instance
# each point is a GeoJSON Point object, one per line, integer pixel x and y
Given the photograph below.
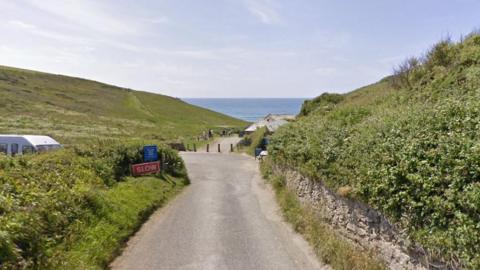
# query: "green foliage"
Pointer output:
{"type": "Point", "coordinates": [252, 141]}
{"type": "Point", "coordinates": [118, 212]}
{"type": "Point", "coordinates": [78, 203]}
{"type": "Point", "coordinates": [443, 54]}
{"type": "Point", "coordinates": [325, 102]}
{"type": "Point", "coordinates": [45, 198]}
{"type": "Point", "coordinates": [412, 152]}
{"type": "Point", "coordinates": [54, 199]}
{"type": "Point", "coordinates": [74, 110]}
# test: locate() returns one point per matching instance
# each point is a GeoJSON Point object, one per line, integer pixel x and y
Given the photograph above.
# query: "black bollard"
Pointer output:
{"type": "Point", "coordinates": [219, 148]}
{"type": "Point", "coordinates": [208, 147]}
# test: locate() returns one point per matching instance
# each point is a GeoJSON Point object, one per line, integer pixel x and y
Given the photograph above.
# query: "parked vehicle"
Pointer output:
{"type": "Point", "coordinates": [26, 144]}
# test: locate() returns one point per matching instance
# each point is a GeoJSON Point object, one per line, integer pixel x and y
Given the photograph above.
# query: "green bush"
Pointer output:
{"type": "Point", "coordinates": [119, 211]}
{"type": "Point", "coordinates": [252, 141]}
{"type": "Point", "coordinates": [116, 158]}
{"type": "Point", "coordinates": [444, 53]}
{"type": "Point", "coordinates": [41, 196]}
{"type": "Point", "coordinates": [324, 102]}
{"type": "Point", "coordinates": [414, 155]}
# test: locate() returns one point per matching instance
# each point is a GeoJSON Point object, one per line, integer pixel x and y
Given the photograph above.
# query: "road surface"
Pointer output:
{"type": "Point", "coordinates": [225, 144]}
{"type": "Point", "coordinates": [226, 219]}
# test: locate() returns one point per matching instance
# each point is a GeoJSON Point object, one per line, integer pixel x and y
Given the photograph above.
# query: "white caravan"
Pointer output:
{"type": "Point", "coordinates": [25, 144]}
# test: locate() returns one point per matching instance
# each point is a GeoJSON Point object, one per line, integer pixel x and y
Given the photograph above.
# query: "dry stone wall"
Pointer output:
{"type": "Point", "coordinates": [357, 222]}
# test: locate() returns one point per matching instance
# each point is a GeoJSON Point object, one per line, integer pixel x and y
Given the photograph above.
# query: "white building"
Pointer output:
{"type": "Point", "coordinates": [23, 144]}
{"type": "Point", "coordinates": [271, 121]}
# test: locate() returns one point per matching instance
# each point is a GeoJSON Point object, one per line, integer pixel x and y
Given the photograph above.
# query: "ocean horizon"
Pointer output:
{"type": "Point", "coordinates": [249, 109]}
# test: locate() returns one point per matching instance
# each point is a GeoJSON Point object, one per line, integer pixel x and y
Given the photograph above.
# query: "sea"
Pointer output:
{"type": "Point", "coordinates": [249, 109]}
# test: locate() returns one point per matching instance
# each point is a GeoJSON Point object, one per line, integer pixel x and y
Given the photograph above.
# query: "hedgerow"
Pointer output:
{"type": "Point", "coordinates": [41, 196]}
{"type": "Point", "coordinates": [252, 141]}
{"type": "Point", "coordinates": [413, 153]}
{"type": "Point", "coordinates": [325, 102]}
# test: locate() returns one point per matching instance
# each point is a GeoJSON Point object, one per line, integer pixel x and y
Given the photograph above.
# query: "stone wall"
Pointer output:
{"type": "Point", "coordinates": [357, 222]}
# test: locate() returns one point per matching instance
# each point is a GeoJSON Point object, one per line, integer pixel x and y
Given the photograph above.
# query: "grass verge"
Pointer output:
{"type": "Point", "coordinates": [117, 214]}
{"type": "Point", "coordinates": [252, 141]}
{"type": "Point", "coordinates": [329, 247]}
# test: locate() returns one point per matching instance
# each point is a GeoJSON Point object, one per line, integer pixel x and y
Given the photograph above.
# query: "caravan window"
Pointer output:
{"type": "Point", "coordinates": [27, 149]}
{"type": "Point", "coordinates": [14, 149]}
{"type": "Point", "coordinates": [3, 148]}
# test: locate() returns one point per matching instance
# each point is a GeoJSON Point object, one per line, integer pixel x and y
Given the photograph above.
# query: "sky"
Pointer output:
{"type": "Point", "coordinates": [227, 48]}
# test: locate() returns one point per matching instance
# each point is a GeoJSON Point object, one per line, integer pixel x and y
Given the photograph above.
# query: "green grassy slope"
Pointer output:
{"type": "Point", "coordinates": [123, 209]}
{"type": "Point", "coordinates": [74, 208]}
{"type": "Point", "coordinates": [408, 145]}
{"type": "Point", "coordinates": [73, 109]}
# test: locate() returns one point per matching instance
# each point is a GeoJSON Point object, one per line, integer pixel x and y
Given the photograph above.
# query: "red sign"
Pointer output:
{"type": "Point", "coordinates": [145, 168]}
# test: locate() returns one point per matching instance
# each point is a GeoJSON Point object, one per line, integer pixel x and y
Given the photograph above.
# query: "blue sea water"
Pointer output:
{"type": "Point", "coordinates": [249, 109]}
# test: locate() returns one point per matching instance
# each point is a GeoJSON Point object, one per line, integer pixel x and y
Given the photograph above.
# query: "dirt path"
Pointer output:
{"type": "Point", "coordinates": [226, 219]}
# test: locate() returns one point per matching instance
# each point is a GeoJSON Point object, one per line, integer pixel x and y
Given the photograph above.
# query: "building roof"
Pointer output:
{"type": "Point", "coordinates": [256, 125]}
{"type": "Point", "coordinates": [271, 121]}
{"type": "Point", "coordinates": [32, 139]}
{"type": "Point", "coordinates": [280, 117]}
{"type": "Point", "coordinates": [272, 126]}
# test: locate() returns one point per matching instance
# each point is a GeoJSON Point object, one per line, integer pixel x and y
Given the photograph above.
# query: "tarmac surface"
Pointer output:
{"type": "Point", "coordinates": [226, 219]}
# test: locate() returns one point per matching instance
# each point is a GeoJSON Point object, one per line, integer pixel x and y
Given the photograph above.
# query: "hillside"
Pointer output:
{"type": "Point", "coordinates": [75, 208]}
{"type": "Point", "coordinates": [73, 109]}
{"type": "Point", "coordinates": [408, 146]}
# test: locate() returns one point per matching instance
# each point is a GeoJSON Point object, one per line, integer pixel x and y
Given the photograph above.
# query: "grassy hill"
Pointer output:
{"type": "Point", "coordinates": [73, 109]}
{"type": "Point", "coordinates": [408, 145]}
{"type": "Point", "coordinates": [75, 208]}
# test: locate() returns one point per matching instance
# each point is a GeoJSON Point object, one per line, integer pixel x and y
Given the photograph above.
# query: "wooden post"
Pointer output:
{"type": "Point", "coordinates": [219, 148]}
{"type": "Point", "coordinates": [231, 147]}
{"type": "Point", "coordinates": [208, 147]}
{"type": "Point", "coordinates": [194, 148]}
{"type": "Point", "coordinates": [162, 162]}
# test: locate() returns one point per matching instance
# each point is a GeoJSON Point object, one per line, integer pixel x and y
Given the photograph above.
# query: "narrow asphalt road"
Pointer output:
{"type": "Point", "coordinates": [224, 142]}
{"type": "Point", "coordinates": [226, 219]}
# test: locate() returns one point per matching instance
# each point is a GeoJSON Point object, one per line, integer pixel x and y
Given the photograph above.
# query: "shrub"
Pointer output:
{"type": "Point", "coordinates": [42, 195]}
{"type": "Point", "coordinates": [406, 73]}
{"type": "Point", "coordinates": [413, 155]}
{"type": "Point", "coordinates": [325, 102]}
{"type": "Point", "coordinates": [443, 53]}
{"type": "Point", "coordinates": [253, 141]}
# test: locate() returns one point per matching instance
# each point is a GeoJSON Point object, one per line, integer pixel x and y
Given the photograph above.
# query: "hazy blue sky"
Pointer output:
{"type": "Point", "coordinates": [227, 48]}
